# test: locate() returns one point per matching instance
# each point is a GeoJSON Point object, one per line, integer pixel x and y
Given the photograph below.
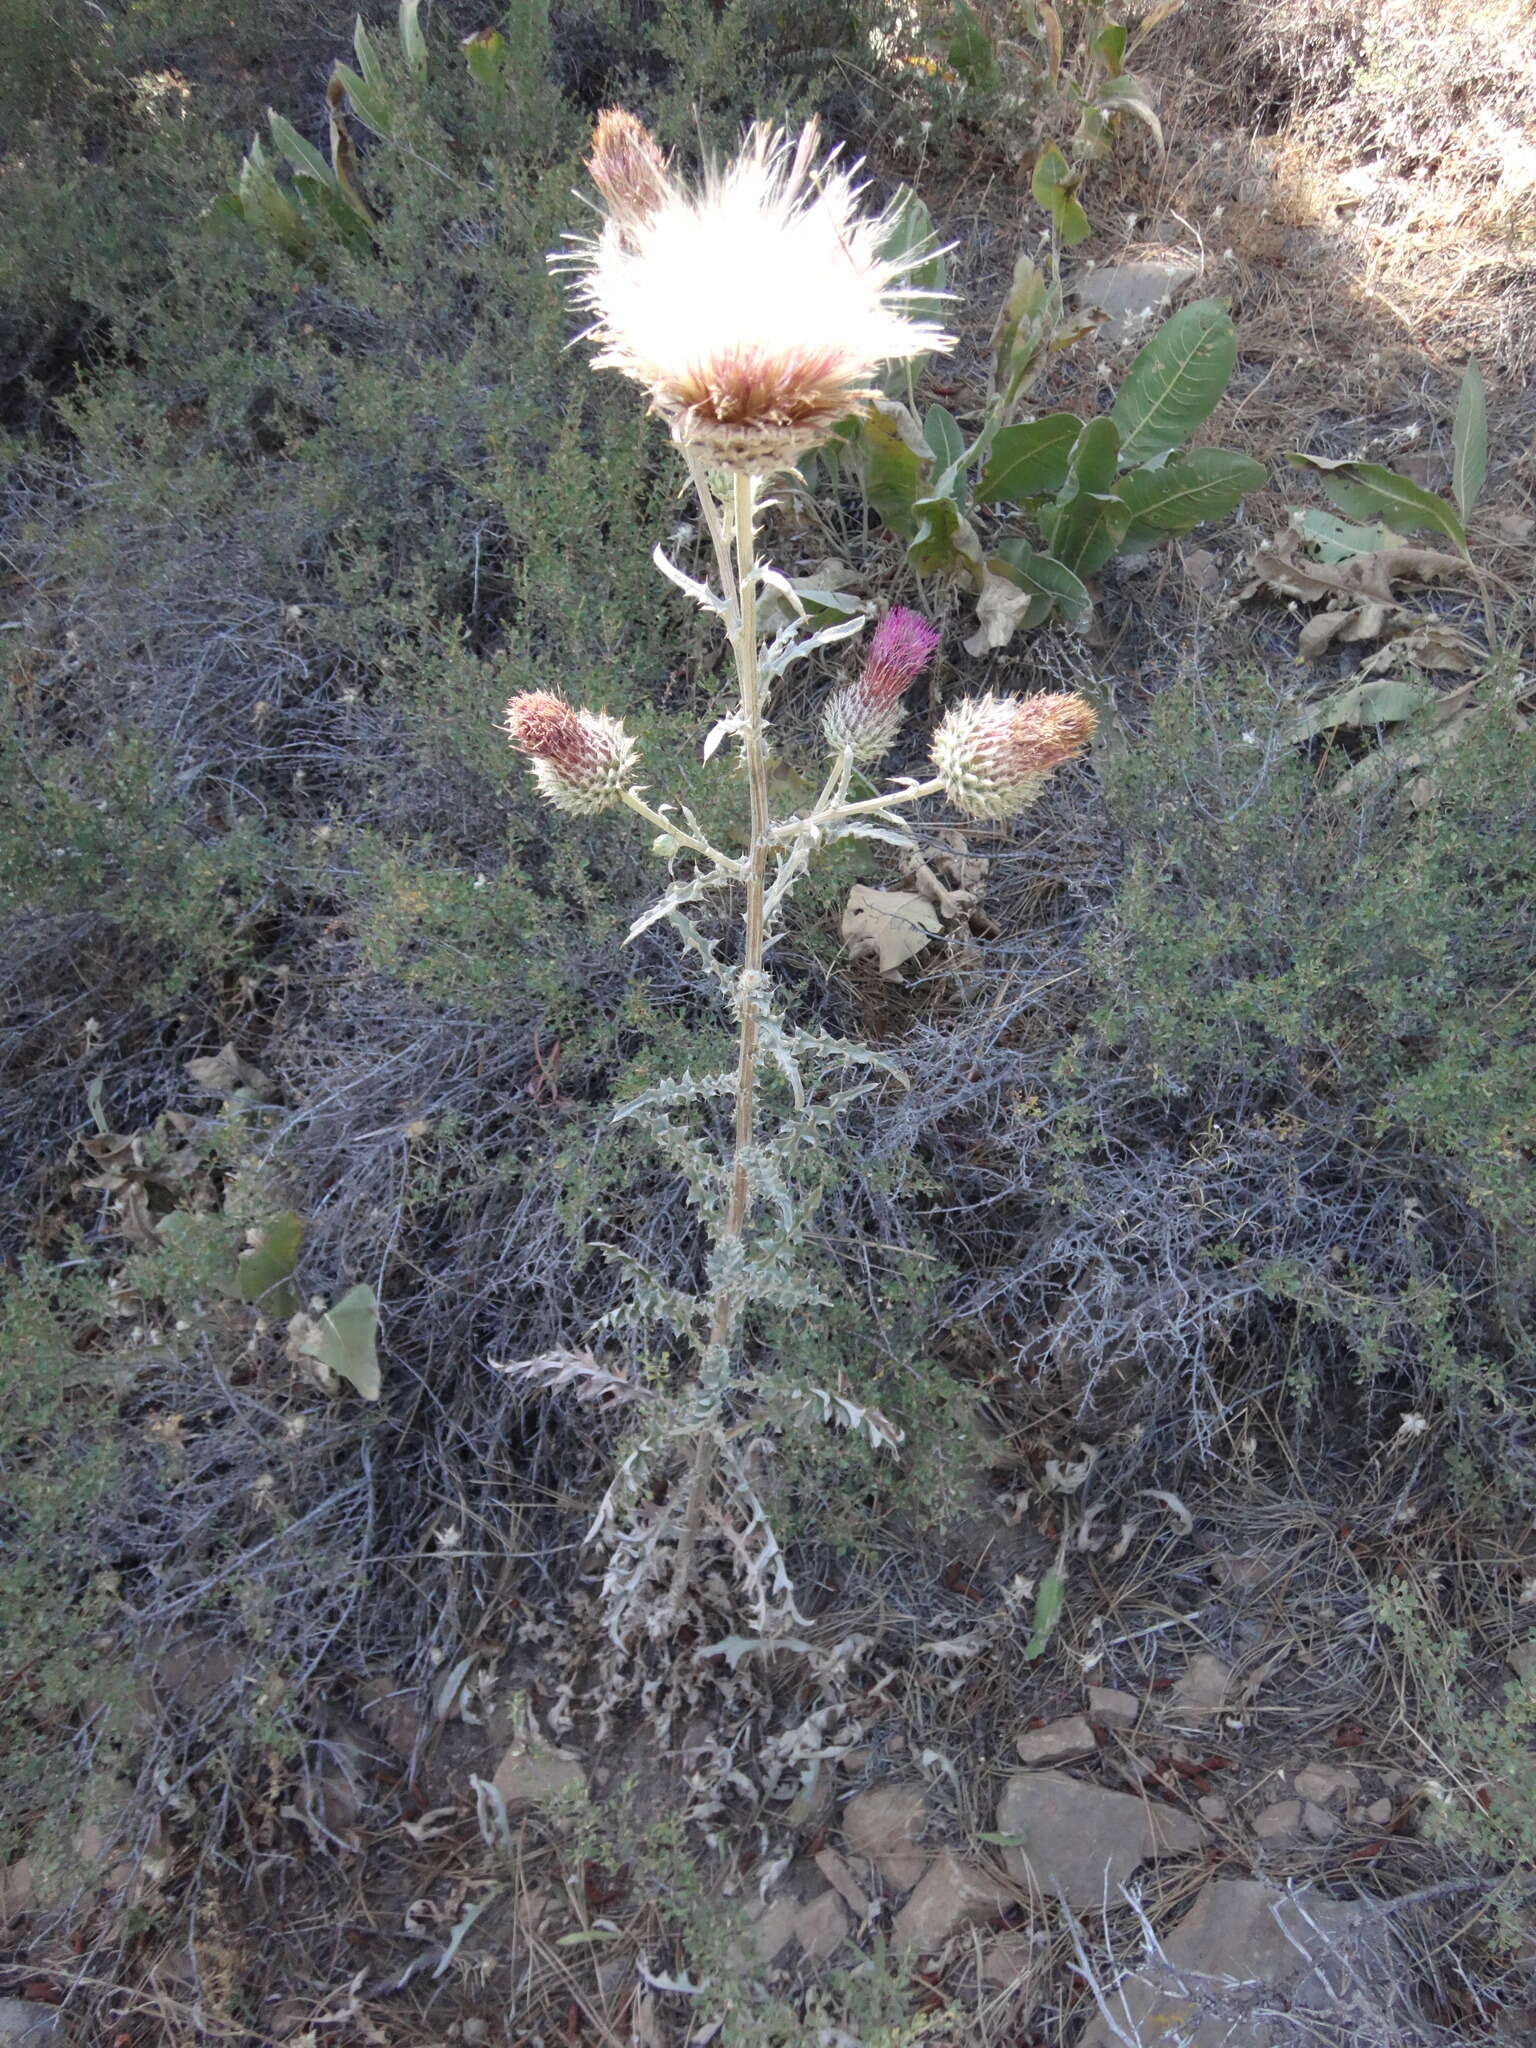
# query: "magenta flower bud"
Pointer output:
{"type": "Point", "coordinates": [865, 716]}
{"type": "Point", "coordinates": [995, 754]}
{"type": "Point", "coordinates": [581, 759]}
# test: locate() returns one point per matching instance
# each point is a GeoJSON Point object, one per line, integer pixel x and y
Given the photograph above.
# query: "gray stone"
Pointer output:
{"type": "Point", "coordinates": [1202, 1690]}
{"type": "Point", "coordinates": [1062, 1742]}
{"type": "Point", "coordinates": [1008, 1962]}
{"type": "Point", "coordinates": [843, 1882]}
{"type": "Point", "coordinates": [1081, 1842]}
{"type": "Point", "coordinates": [1240, 1937]}
{"type": "Point", "coordinates": [1211, 1807]}
{"type": "Point", "coordinates": [1110, 1708]}
{"type": "Point", "coordinates": [884, 1825]}
{"type": "Point", "coordinates": [821, 1926]}
{"type": "Point", "coordinates": [25, 2025]}
{"type": "Point", "coordinates": [1319, 1823]}
{"type": "Point", "coordinates": [1379, 1812]}
{"type": "Point", "coordinates": [1131, 295]}
{"type": "Point", "coordinates": [1522, 1661]}
{"type": "Point", "coordinates": [773, 1926]}
{"type": "Point", "coordinates": [1328, 1784]}
{"type": "Point", "coordinates": [532, 1772]}
{"type": "Point", "coordinates": [951, 1896]}
{"type": "Point", "coordinates": [1280, 1822]}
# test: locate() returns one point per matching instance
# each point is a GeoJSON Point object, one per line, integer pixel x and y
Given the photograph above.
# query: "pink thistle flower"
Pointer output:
{"type": "Point", "coordinates": [865, 716]}
{"type": "Point", "coordinates": [581, 759]}
{"type": "Point", "coordinates": [995, 754]}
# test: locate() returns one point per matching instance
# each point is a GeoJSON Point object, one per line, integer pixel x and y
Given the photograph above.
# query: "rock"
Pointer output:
{"type": "Point", "coordinates": [1522, 1661]}
{"type": "Point", "coordinates": [1319, 1823]}
{"type": "Point", "coordinates": [1328, 1784]}
{"type": "Point", "coordinates": [1062, 1742]}
{"type": "Point", "coordinates": [843, 1882]}
{"type": "Point", "coordinates": [1203, 1689]}
{"type": "Point", "coordinates": [25, 2025]}
{"type": "Point", "coordinates": [532, 1772]}
{"type": "Point", "coordinates": [1280, 1822]}
{"type": "Point", "coordinates": [1211, 1807]}
{"type": "Point", "coordinates": [773, 1926]}
{"type": "Point", "coordinates": [1130, 295]}
{"type": "Point", "coordinates": [812, 1801]}
{"type": "Point", "coordinates": [1108, 1708]}
{"type": "Point", "coordinates": [1379, 1812]}
{"type": "Point", "coordinates": [952, 1895]}
{"type": "Point", "coordinates": [884, 1825]}
{"type": "Point", "coordinates": [1241, 1573]}
{"type": "Point", "coordinates": [1082, 1842]}
{"type": "Point", "coordinates": [821, 1926]}
{"type": "Point", "coordinates": [1242, 1933]}
{"type": "Point", "coordinates": [1008, 1962]}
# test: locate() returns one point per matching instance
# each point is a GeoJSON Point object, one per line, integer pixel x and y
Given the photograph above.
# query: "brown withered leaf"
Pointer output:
{"type": "Point", "coordinates": [227, 1073]}
{"type": "Point", "coordinates": [888, 926]}
{"type": "Point", "coordinates": [1286, 570]}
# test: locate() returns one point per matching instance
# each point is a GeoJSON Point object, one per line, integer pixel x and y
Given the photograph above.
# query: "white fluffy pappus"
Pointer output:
{"type": "Point", "coordinates": [757, 309]}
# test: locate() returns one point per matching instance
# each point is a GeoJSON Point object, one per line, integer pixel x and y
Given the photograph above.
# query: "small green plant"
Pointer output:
{"type": "Point", "coordinates": [1085, 490]}
{"type": "Point", "coordinates": [752, 312]}
{"type": "Point", "coordinates": [1051, 91]}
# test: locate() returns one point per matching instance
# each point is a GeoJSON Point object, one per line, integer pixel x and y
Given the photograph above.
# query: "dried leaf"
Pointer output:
{"type": "Point", "coordinates": [578, 1370]}
{"type": "Point", "coordinates": [888, 926]}
{"type": "Point", "coordinates": [226, 1073]}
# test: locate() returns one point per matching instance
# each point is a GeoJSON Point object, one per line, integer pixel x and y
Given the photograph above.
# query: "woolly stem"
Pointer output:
{"type": "Point", "coordinates": [723, 1305]}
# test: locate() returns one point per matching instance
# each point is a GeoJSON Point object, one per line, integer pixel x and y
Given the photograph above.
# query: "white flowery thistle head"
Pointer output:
{"type": "Point", "coordinates": [581, 760]}
{"type": "Point", "coordinates": [756, 309]}
{"type": "Point", "coordinates": [994, 755]}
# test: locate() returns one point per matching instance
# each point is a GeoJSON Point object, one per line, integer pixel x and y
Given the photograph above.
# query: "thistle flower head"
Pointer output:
{"type": "Point", "coordinates": [756, 309]}
{"type": "Point", "coordinates": [865, 715]}
{"type": "Point", "coordinates": [994, 754]}
{"type": "Point", "coordinates": [581, 760]}
{"type": "Point", "coordinates": [627, 168]}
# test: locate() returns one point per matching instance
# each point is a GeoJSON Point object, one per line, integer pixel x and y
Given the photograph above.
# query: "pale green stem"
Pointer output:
{"type": "Point", "coordinates": [642, 809]}
{"type": "Point", "coordinates": [722, 1315]}
{"type": "Point", "coordinates": [825, 820]}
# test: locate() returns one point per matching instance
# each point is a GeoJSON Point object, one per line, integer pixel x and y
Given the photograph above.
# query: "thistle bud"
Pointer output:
{"type": "Point", "coordinates": [865, 716]}
{"type": "Point", "coordinates": [581, 759]}
{"type": "Point", "coordinates": [627, 168]}
{"type": "Point", "coordinates": [994, 754]}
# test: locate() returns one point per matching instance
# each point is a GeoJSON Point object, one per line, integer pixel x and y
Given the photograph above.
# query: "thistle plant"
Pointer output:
{"type": "Point", "coordinates": [756, 310]}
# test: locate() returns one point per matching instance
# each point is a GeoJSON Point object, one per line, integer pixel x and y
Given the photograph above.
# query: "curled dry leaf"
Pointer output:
{"type": "Point", "coordinates": [888, 926]}
{"type": "Point", "coordinates": [227, 1073]}
{"type": "Point", "coordinates": [577, 1370]}
{"type": "Point", "coordinates": [1359, 593]}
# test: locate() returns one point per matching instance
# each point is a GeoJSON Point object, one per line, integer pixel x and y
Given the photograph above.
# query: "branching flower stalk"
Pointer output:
{"type": "Point", "coordinates": [755, 311]}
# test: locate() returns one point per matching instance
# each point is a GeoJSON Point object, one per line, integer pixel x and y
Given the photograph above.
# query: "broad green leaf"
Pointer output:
{"type": "Point", "coordinates": [1090, 520]}
{"type": "Point", "coordinates": [1386, 700]}
{"type": "Point", "coordinates": [1029, 459]}
{"type": "Point", "coordinates": [1366, 491]}
{"type": "Point", "coordinates": [1055, 188]}
{"type": "Point", "coordinates": [301, 154]}
{"type": "Point", "coordinates": [264, 1273]}
{"type": "Point", "coordinates": [1127, 95]}
{"type": "Point", "coordinates": [893, 473]}
{"type": "Point", "coordinates": [1205, 484]}
{"type": "Point", "coordinates": [371, 103]}
{"type": "Point", "coordinates": [909, 241]}
{"type": "Point", "coordinates": [936, 546]}
{"type": "Point", "coordinates": [971, 56]}
{"type": "Point", "coordinates": [412, 42]}
{"type": "Point", "coordinates": [485, 52]}
{"type": "Point", "coordinates": [945, 439]}
{"type": "Point", "coordinates": [268, 207]}
{"type": "Point", "coordinates": [367, 54]}
{"type": "Point", "coordinates": [1050, 1602]}
{"type": "Point", "coordinates": [1338, 540]}
{"type": "Point", "coordinates": [1110, 44]}
{"type": "Point", "coordinates": [1045, 577]}
{"type": "Point", "coordinates": [1174, 384]}
{"type": "Point", "coordinates": [1469, 438]}
{"type": "Point", "coordinates": [345, 1339]}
